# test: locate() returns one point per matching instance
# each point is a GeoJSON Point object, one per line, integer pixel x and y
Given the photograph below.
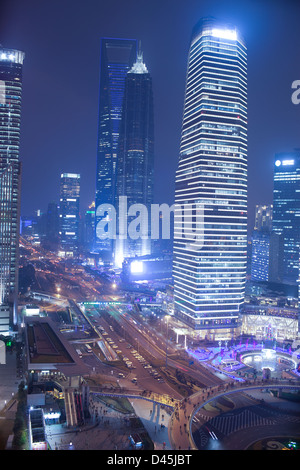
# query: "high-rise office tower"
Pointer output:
{"type": "Point", "coordinates": [260, 242]}
{"type": "Point", "coordinates": [263, 217]}
{"type": "Point", "coordinates": [117, 57]}
{"type": "Point", "coordinates": [89, 227]}
{"type": "Point", "coordinates": [210, 229]}
{"type": "Point", "coordinates": [135, 166]}
{"type": "Point", "coordinates": [69, 213]}
{"type": "Point", "coordinates": [260, 257]}
{"type": "Point", "coordinates": [11, 64]}
{"type": "Point", "coordinates": [286, 210]}
{"type": "Point", "coordinates": [266, 247]}
{"type": "Point", "coordinates": [52, 223]}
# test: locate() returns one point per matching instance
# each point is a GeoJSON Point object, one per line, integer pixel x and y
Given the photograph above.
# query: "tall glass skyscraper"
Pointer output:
{"type": "Point", "coordinates": [11, 64]}
{"type": "Point", "coordinates": [263, 217]}
{"type": "Point", "coordinates": [210, 229]}
{"type": "Point", "coordinates": [261, 243]}
{"type": "Point", "coordinates": [69, 213]}
{"type": "Point", "coordinates": [135, 166]}
{"type": "Point", "coordinates": [286, 210]}
{"type": "Point", "coordinates": [117, 57]}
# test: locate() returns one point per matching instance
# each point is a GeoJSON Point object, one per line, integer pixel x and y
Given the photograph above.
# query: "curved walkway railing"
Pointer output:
{"type": "Point", "coordinates": [150, 396]}
{"type": "Point", "coordinates": [180, 434]}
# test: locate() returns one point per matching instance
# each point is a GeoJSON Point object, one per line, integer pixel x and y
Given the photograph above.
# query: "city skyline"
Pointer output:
{"type": "Point", "coordinates": [149, 268]}
{"type": "Point", "coordinates": [258, 24]}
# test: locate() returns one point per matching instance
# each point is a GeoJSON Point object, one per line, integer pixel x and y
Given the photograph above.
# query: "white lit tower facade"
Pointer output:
{"type": "Point", "coordinates": [11, 65]}
{"type": "Point", "coordinates": [210, 228]}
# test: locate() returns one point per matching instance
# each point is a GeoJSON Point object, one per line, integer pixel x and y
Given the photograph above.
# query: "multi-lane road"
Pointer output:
{"type": "Point", "coordinates": [147, 350]}
{"type": "Point", "coordinates": [156, 346]}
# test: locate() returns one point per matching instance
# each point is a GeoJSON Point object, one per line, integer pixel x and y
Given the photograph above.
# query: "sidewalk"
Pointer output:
{"type": "Point", "coordinates": [112, 432]}
{"type": "Point", "coordinates": [155, 419]}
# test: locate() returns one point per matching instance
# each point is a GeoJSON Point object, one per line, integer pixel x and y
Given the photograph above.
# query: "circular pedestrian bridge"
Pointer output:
{"type": "Point", "coordinates": [180, 431]}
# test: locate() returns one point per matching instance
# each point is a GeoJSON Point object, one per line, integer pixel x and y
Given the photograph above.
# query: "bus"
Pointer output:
{"type": "Point", "coordinates": [88, 348]}
{"type": "Point", "coordinates": [79, 352]}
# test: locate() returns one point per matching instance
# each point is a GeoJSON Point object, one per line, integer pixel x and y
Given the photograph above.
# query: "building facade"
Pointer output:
{"type": "Point", "coordinates": [69, 213]}
{"type": "Point", "coordinates": [135, 166]}
{"type": "Point", "coordinates": [263, 217]}
{"type": "Point", "coordinates": [52, 223]}
{"type": "Point", "coordinates": [286, 211]}
{"type": "Point", "coordinates": [89, 228]}
{"type": "Point", "coordinates": [210, 229]}
{"type": "Point", "coordinates": [11, 64]}
{"type": "Point", "coordinates": [260, 243]}
{"type": "Point", "coordinates": [117, 57]}
{"type": "Point", "coordinates": [260, 258]}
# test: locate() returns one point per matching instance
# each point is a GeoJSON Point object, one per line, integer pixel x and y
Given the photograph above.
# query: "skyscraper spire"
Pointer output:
{"type": "Point", "coordinates": [139, 66]}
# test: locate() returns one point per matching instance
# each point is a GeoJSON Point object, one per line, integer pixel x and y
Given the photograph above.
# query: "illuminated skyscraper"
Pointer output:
{"type": "Point", "coordinates": [263, 217]}
{"type": "Point", "coordinates": [69, 213]}
{"type": "Point", "coordinates": [286, 210]}
{"type": "Point", "coordinates": [135, 166]}
{"type": "Point", "coordinates": [261, 243]}
{"type": "Point", "coordinates": [117, 57]}
{"type": "Point", "coordinates": [11, 64]}
{"type": "Point", "coordinates": [210, 246]}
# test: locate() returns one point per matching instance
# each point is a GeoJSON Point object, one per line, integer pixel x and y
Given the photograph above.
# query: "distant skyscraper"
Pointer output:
{"type": "Point", "coordinates": [52, 223]}
{"type": "Point", "coordinates": [260, 255]}
{"type": "Point", "coordinates": [261, 243]}
{"type": "Point", "coordinates": [263, 217]}
{"type": "Point", "coordinates": [11, 64]}
{"type": "Point", "coordinates": [286, 210]}
{"type": "Point", "coordinates": [135, 166]}
{"type": "Point", "coordinates": [117, 57]}
{"type": "Point", "coordinates": [69, 212]}
{"type": "Point", "coordinates": [210, 252]}
{"type": "Point", "coordinates": [266, 252]}
{"type": "Point", "coordinates": [89, 227]}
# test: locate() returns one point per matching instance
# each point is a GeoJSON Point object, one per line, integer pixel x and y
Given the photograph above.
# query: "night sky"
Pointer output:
{"type": "Point", "coordinates": [61, 40]}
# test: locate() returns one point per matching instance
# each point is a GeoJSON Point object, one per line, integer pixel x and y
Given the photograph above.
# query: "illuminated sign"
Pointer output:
{"type": "Point", "coordinates": [288, 162]}
{"type": "Point", "coordinates": [278, 163]}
